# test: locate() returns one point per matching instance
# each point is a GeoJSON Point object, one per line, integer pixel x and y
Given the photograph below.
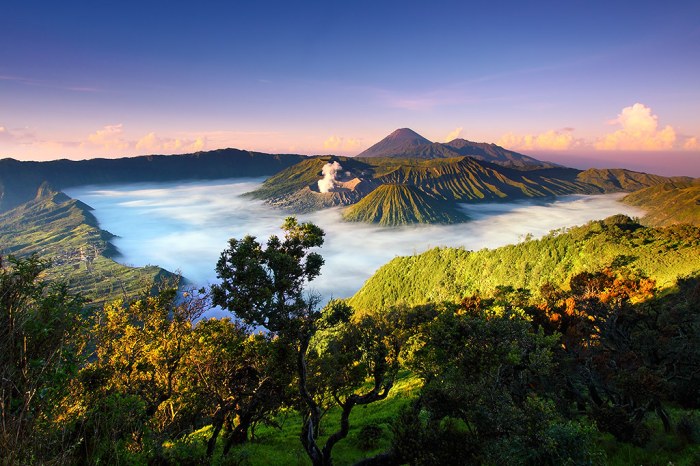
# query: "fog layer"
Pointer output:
{"type": "Point", "coordinates": [185, 226]}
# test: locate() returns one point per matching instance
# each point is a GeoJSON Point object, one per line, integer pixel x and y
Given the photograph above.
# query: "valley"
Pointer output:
{"type": "Point", "coordinates": [184, 227]}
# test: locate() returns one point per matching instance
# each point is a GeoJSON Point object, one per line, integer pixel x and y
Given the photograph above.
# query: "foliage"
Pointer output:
{"type": "Point", "coordinates": [488, 394]}
{"type": "Point", "coordinates": [39, 355]}
{"type": "Point", "coordinates": [449, 274]}
{"type": "Point", "coordinates": [515, 375]}
{"type": "Point", "coordinates": [334, 359]}
{"type": "Point", "coordinates": [127, 390]}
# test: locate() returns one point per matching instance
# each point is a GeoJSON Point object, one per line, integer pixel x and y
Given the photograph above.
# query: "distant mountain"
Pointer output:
{"type": "Point", "coordinates": [406, 143]}
{"type": "Point", "coordinates": [669, 203]}
{"type": "Point", "coordinates": [619, 180]}
{"type": "Point", "coordinates": [19, 181]}
{"type": "Point", "coordinates": [403, 142]}
{"type": "Point", "coordinates": [434, 186]}
{"type": "Point", "coordinates": [399, 204]}
{"type": "Point", "coordinates": [495, 154]}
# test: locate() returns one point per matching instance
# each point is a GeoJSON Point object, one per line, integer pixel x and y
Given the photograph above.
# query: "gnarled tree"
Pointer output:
{"type": "Point", "coordinates": [265, 286]}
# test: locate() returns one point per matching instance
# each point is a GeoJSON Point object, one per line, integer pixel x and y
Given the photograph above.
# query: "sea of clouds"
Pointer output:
{"type": "Point", "coordinates": [185, 226]}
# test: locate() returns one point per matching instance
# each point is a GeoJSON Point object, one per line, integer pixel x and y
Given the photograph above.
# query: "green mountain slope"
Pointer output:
{"type": "Point", "coordinates": [451, 273]}
{"type": "Point", "coordinates": [62, 229]}
{"type": "Point", "coordinates": [448, 180]}
{"type": "Point", "coordinates": [618, 180]}
{"type": "Point", "coordinates": [396, 204]}
{"type": "Point", "coordinates": [669, 203]}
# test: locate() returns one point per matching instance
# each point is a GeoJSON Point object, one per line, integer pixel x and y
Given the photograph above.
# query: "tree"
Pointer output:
{"type": "Point", "coordinates": [127, 394]}
{"type": "Point", "coordinates": [488, 395]}
{"type": "Point", "coordinates": [615, 354]}
{"type": "Point", "coordinates": [234, 379]}
{"type": "Point", "coordinates": [39, 323]}
{"type": "Point", "coordinates": [265, 286]}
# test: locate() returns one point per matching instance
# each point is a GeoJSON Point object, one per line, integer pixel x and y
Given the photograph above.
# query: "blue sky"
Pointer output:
{"type": "Point", "coordinates": [612, 83]}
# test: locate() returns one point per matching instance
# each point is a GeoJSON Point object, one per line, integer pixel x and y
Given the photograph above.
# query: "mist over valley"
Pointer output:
{"type": "Point", "coordinates": [184, 226]}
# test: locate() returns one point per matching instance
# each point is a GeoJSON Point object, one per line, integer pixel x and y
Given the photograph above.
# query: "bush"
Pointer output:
{"type": "Point", "coordinates": [688, 429]}
{"type": "Point", "coordinates": [369, 436]}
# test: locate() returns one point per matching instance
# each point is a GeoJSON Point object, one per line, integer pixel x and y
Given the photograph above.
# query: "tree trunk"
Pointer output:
{"type": "Point", "coordinates": [217, 423]}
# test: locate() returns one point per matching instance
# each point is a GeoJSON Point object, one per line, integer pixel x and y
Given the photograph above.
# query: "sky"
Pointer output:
{"type": "Point", "coordinates": [585, 83]}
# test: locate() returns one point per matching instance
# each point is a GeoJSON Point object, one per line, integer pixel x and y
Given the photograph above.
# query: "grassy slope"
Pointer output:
{"type": "Point", "coordinates": [62, 229]}
{"type": "Point", "coordinates": [395, 204]}
{"type": "Point", "coordinates": [449, 273]}
{"type": "Point", "coordinates": [274, 446]}
{"type": "Point", "coordinates": [669, 203]}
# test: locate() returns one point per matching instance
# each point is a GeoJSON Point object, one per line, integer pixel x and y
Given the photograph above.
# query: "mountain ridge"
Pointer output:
{"type": "Point", "coordinates": [406, 143]}
{"type": "Point", "coordinates": [19, 180]}
{"type": "Point", "coordinates": [444, 181]}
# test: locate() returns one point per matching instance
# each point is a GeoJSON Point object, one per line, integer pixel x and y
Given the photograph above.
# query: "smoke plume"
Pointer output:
{"type": "Point", "coordinates": [329, 171]}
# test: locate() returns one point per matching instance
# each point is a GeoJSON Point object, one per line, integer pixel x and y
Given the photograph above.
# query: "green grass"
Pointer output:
{"type": "Point", "coordinates": [662, 449]}
{"type": "Point", "coordinates": [273, 446]}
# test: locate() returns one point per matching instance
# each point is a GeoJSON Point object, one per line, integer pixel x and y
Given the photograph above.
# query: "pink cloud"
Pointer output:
{"type": "Point", "coordinates": [639, 131]}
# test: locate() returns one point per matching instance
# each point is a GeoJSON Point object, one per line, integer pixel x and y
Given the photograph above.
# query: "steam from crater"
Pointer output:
{"type": "Point", "coordinates": [329, 171]}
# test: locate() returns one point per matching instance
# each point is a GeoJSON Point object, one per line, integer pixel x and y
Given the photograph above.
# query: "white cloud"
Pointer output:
{"type": "Point", "coordinates": [549, 140]}
{"type": "Point", "coordinates": [342, 144]}
{"type": "Point", "coordinates": [109, 138]}
{"type": "Point", "coordinates": [454, 134]}
{"type": "Point", "coordinates": [640, 131]}
{"type": "Point", "coordinates": [153, 143]}
{"type": "Point", "coordinates": [691, 144]}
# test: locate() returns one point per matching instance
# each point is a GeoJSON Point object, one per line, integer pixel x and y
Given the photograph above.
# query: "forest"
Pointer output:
{"type": "Point", "coordinates": [602, 367]}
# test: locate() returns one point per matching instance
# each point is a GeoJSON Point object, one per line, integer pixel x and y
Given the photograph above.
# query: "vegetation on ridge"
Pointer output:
{"type": "Point", "coordinates": [449, 274]}
{"type": "Point", "coordinates": [668, 203]}
{"type": "Point", "coordinates": [64, 230]}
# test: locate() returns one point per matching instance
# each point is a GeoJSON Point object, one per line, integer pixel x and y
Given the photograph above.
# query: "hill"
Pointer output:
{"type": "Point", "coordinates": [406, 143]}
{"type": "Point", "coordinates": [446, 181]}
{"type": "Point", "coordinates": [669, 203]}
{"type": "Point", "coordinates": [398, 204]}
{"type": "Point", "coordinates": [62, 229]}
{"type": "Point", "coordinates": [451, 273]}
{"type": "Point", "coordinates": [19, 181]}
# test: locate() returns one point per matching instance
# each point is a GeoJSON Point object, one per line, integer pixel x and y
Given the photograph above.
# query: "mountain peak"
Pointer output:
{"type": "Point", "coordinates": [401, 142]}
{"type": "Point", "coordinates": [407, 135]}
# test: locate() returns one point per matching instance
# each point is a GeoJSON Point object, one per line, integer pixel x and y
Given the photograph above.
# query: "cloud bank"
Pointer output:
{"type": "Point", "coordinates": [337, 143]}
{"type": "Point", "coordinates": [639, 131]}
{"type": "Point", "coordinates": [185, 226]}
{"type": "Point", "coordinates": [549, 140]}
